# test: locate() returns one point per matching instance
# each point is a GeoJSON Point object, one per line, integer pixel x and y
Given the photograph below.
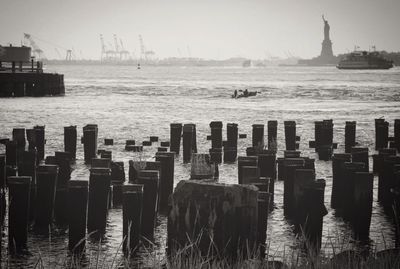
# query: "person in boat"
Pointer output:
{"type": "Point", "coordinates": [246, 92]}
{"type": "Point", "coordinates": [235, 94]}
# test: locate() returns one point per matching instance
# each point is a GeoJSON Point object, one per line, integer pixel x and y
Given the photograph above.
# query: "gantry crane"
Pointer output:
{"type": "Point", "coordinates": [36, 51]}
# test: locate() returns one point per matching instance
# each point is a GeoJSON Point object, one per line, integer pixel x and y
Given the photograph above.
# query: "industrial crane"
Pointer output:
{"type": "Point", "coordinates": [143, 51]}
{"type": "Point", "coordinates": [37, 52]}
{"type": "Point", "coordinates": [123, 54]}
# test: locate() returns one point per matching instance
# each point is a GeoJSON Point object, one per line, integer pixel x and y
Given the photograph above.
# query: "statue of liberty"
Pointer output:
{"type": "Point", "coordinates": [326, 28]}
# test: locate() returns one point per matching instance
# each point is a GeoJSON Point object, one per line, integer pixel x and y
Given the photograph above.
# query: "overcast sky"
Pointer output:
{"type": "Point", "coordinates": [202, 28]}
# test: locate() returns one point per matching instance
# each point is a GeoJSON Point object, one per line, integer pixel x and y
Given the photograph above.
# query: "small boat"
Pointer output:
{"type": "Point", "coordinates": [364, 60]}
{"type": "Point", "coordinates": [245, 94]}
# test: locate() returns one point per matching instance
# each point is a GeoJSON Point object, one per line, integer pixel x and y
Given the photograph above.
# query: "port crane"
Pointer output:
{"type": "Point", "coordinates": [36, 51]}
{"type": "Point", "coordinates": [143, 52]}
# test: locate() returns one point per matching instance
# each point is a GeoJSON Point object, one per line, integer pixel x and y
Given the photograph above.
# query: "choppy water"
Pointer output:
{"type": "Point", "coordinates": [128, 103]}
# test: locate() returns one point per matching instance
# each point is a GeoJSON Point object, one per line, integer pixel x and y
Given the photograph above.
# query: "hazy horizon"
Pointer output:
{"type": "Point", "coordinates": [204, 29]}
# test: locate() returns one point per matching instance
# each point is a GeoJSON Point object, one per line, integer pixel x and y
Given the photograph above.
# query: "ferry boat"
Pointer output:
{"type": "Point", "coordinates": [364, 60]}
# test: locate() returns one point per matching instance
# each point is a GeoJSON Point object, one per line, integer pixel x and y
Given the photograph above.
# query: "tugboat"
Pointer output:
{"type": "Point", "coordinates": [364, 60]}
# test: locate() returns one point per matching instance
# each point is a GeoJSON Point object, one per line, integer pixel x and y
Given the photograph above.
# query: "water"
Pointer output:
{"type": "Point", "coordinates": [128, 103]}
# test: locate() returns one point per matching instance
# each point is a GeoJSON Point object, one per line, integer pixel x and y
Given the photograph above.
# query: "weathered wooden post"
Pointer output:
{"type": "Point", "coordinates": [290, 166]}
{"type": "Point", "coordinates": [258, 136]}
{"type": "Point", "coordinates": [221, 219]}
{"type": "Point", "coordinates": [318, 134]}
{"type": "Point", "coordinates": [302, 179]}
{"type": "Point", "coordinates": [167, 162]}
{"type": "Point", "coordinates": [381, 133]}
{"type": "Point", "coordinates": [387, 181]}
{"type": "Point", "coordinates": [31, 138]}
{"type": "Point", "coordinates": [27, 167]}
{"type": "Point", "coordinates": [77, 210]}
{"type": "Point", "coordinates": [215, 155]}
{"type": "Point", "coordinates": [263, 208]}
{"type": "Point", "coordinates": [70, 137]}
{"type": "Point", "coordinates": [290, 135]}
{"type": "Point", "coordinates": [378, 159]}
{"type": "Point", "coordinates": [18, 213]}
{"type": "Point", "coordinates": [250, 174]}
{"type": "Point", "coordinates": [46, 181]}
{"type": "Point", "coordinates": [245, 161]}
{"type": "Point", "coordinates": [18, 135]}
{"type": "Point", "coordinates": [232, 135]}
{"type": "Point", "coordinates": [359, 154]}
{"type": "Point", "coordinates": [63, 160]}
{"type": "Point", "coordinates": [40, 141]}
{"type": "Point", "coordinates": [349, 135]}
{"type": "Point", "coordinates": [315, 212]}
{"type": "Point", "coordinates": [2, 171]}
{"type": "Point", "coordinates": [150, 180]}
{"type": "Point", "coordinates": [362, 197]}
{"type": "Point", "coordinates": [216, 134]}
{"type": "Point", "coordinates": [267, 166]}
{"type": "Point", "coordinates": [272, 135]}
{"type": "Point", "coordinates": [201, 167]}
{"type": "Point", "coordinates": [11, 153]}
{"type": "Point", "coordinates": [99, 188]}
{"type": "Point", "coordinates": [187, 141]}
{"type": "Point", "coordinates": [90, 142]}
{"type": "Point", "coordinates": [175, 137]}
{"type": "Point", "coordinates": [338, 180]}
{"type": "Point", "coordinates": [396, 133]}
{"type": "Point", "coordinates": [132, 210]}
{"type": "Point", "coordinates": [347, 197]}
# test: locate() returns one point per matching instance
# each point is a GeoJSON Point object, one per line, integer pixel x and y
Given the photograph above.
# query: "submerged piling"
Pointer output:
{"type": "Point", "coordinates": [77, 210]}
{"type": "Point", "coordinates": [381, 133]}
{"type": "Point", "coordinates": [338, 180]}
{"type": "Point", "coordinates": [290, 135]}
{"type": "Point", "coordinates": [70, 137]}
{"type": "Point", "coordinates": [175, 137]}
{"type": "Point", "coordinates": [258, 136]}
{"type": "Point", "coordinates": [362, 197]}
{"type": "Point", "coordinates": [272, 135]}
{"type": "Point", "coordinates": [40, 141]}
{"type": "Point", "coordinates": [187, 141]}
{"type": "Point", "coordinates": [90, 142]}
{"type": "Point", "coordinates": [46, 182]}
{"type": "Point", "coordinates": [99, 188]}
{"type": "Point", "coordinates": [350, 135]}
{"type": "Point", "coordinates": [167, 162]}
{"type": "Point", "coordinates": [132, 208]}
{"type": "Point", "coordinates": [216, 134]}
{"type": "Point", "coordinates": [18, 213]}
{"type": "Point", "coordinates": [150, 181]}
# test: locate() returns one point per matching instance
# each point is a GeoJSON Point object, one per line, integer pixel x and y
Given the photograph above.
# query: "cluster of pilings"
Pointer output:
{"type": "Point", "coordinates": [41, 192]}
{"type": "Point", "coordinates": [31, 84]}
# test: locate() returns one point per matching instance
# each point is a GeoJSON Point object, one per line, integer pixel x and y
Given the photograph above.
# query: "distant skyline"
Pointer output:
{"type": "Point", "coordinates": [211, 29]}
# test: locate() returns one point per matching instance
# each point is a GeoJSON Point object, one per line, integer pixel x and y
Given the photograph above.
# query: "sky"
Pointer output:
{"type": "Point", "coordinates": [212, 29]}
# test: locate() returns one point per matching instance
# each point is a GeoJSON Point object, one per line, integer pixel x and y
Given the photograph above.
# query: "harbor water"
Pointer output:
{"type": "Point", "coordinates": [128, 103]}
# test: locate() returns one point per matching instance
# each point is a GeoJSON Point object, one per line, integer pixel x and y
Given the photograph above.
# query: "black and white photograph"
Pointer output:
{"type": "Point", "coordinates": [210, 134]}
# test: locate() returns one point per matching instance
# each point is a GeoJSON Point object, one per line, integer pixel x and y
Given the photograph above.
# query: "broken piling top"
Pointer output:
{"type": "Point", "coordinates": [201, 167]}
{"type": "Point", "coordinates": [223, 217]}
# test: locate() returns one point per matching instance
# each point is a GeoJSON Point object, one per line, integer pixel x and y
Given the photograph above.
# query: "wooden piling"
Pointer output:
{"type": "Point", "coordinates": [11, 153]}
{"type": "Point", "coordinates": [167, 162]}
{"type": "Point", "coordinates": [362, 197]}
{"type": "Point", "coordinates": [349, 135]}
{"type": "Point", "coordinates": [396, 133]}
{"type": "Point", "coordinates": [18, 213]}
{"type": "Point", "coordinates": [272, 134]}
{"type": "Point", "coordinates": [90, 142]}
{"type": "Point", "coordinates": [258, 136]}
{"type": "Point", "coordinates": [267, 166]}
{"type": "Point", "coordinates": [77, 211]}
{"type": "Point", "coordinates": [27, 167]}
{"type": "Point", "coordinates": [175, 137]}
{"type": "Point", "coordinates": [302, 179]}
{"type": "Point", "coordinates": [216, 134]}
{"type": "Point", "coordinates": [187, 142]}
{"type": "Point", "coordinates": [263, 209]}
{"type": "Point", "coordinates": [290, 135]}
{"type": "Point", "coordinates": [338, 180]}
{"type": "Point", "coordinates": [132, 211]}
{"type": "Point", "coordinates": [46, 182]}
{"type": "Point", "coordinates": [387, 181]}
{"type": "Point", "coordinates": [347, 196]}
{"type": "Point", "coordinates": [381, 133]}
{"type": "Point", "coordinates": [40, 141]}
{"type": "Point", "coordinates": [359, 154]}
{"type": "Point", "coordinates": [99, 188]}
{"type": "Point", "coordinates": [70, 136]}
{"type": "Point", "coordinates": [150, 180]}
{"type": "Point", "coordinates": [250, 174]}
{"type": "Point", "coordinates": [289, 168]}
{"type": "Point", "coordinates": [245, 161]}
{"type": "Point", "coordinates": [215, 155]}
